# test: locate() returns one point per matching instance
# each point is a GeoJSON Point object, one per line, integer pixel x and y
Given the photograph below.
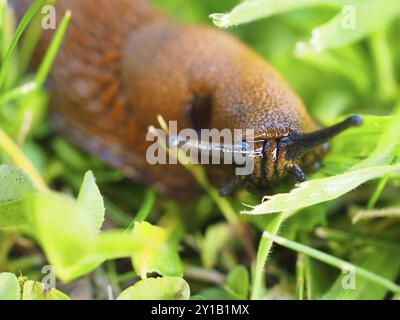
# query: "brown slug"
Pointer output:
{"type": "Point", "coordinates": [123, 62]}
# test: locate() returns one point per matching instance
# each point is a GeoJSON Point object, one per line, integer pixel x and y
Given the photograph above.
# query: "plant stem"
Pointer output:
{"type": "Point", "coordinates": [377, 192]}
{"type": "Point", "coordinates": [204, 275]}
{"type": "Point", "coordinates": [300, 271]}
{"type": "Point", "coordinates": [337, 235]}
{"type": "Point", "coordinates": [333, 261]}
{"type": "Point", "coordinates": [145, 208]}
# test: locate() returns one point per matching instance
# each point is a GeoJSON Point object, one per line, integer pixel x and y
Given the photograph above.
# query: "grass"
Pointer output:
{"type": "Point", "coordinates": [64, 208]}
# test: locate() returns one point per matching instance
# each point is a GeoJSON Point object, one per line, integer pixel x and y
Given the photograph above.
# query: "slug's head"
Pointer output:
{"type": "Point", "coordinates": [286, 155]}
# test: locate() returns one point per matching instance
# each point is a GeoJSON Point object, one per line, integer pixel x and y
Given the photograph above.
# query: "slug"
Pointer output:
{"type": "Point", "coordinates": [123, 62]}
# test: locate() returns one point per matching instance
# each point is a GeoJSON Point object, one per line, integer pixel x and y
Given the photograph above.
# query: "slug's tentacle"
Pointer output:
{"type": "Point", "coordinates": [296, 171]}
{"type": "Point", "coordinates": [299, 144]}
{"type": "Point", "coordinates": [235, 184]}
{"type": "Point", "coordinates": [221, 151]}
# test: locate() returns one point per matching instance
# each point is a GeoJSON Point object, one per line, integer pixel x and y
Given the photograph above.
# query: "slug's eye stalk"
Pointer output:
{"type": "Point", "coordinates": [300, 144]}
{"type": "Point", "coordinates": [293, 147]}
{"type": "Point", "coordinates": [296, 171]}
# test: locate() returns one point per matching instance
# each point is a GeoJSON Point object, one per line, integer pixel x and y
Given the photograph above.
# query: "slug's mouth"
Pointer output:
{"type": "Point", "coordinates": [275, 162]}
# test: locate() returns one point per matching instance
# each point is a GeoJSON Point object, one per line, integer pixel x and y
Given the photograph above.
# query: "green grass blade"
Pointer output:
{"type": "Point", "coordinates": [17, 93]}
{"type": "Point", "coordinates": [362, 21]}
{"type": "Point", "coordinates": [345, 237]}
{"type": "Point", "coordinates": [264, 247]}
{"type": "Point", "coordinates": [300, 277]}
{"type": "Point", "coordinates": [33, 9]}
{"type": "Point", "coordinates": [145, 208]}
{"type": "Point", "coordinates": [333, 261]}
{"type": "Point", "coordinates": [52, 51]}
{"type": "Point", "coordinates": [30, 40]}
{"type": "Point", "coordinates": [393, 212]}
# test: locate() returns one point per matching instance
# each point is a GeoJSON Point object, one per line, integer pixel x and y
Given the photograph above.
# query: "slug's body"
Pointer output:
{"type": "Point", "coordinates": [122, 63]}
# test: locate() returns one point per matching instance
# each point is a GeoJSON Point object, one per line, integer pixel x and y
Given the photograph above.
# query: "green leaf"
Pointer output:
{"type": "Point", "coordinates": [116, 244]}
{"type": "Point", "coordinates": [158, 252]}
{"type": "Point", "coordinates": [237, 283]}
{"type": "Point", "coordinates": [34, 290]}
{"type": "Point", "coordinates": [320, 190]}
{"type": "Point", "coordinates": [9, 287]}
{"type": "Point", "coordinates": [65, 232]}
{"type": "Point", "coordinates": [251, 10]}
{"type": "Point", "coordinates": [13, 188]}
{"type": "Point", "coordinates": [164, 288]}
{"type": "Point", "coordinates": [90, 197]}
{"type": "Point", "coordinates": [215, 293]}
{"type": "Point", "coordinates": [356, 20]}
{"type": "Point", "coordinates": [385, 145]}
{"type": "Point", "coordinates": [373, 137]}
{"type": "Point", "coordinates": [215, 239]}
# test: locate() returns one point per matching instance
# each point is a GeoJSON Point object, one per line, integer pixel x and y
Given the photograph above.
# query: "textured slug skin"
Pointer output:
{"type": "Point", "coordinates": [122, 63]}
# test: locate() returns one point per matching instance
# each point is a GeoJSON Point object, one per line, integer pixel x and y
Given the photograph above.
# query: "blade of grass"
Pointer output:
{"type": "Point", "coordinates": [116, 215]}
{"type": "Point", "coordinates": [3, 31]}
{"type": "Point", "coordinates": [377, 192]}
{"type": "Point", "coordinates": [318, 279]}
{"type": "Point", "coordinates": [386, 79]}
{"type": "Point", "coordinates": [264, 247]}
{"type": "Point", "coordinates": [18, 92]}
{"type": "Point", "coordinates": [333, 261]}
{"type": "Point", "coordinates": [386, 144]}
{"type": "Point", "coordinates": [337, 235]}
{"type": "Point", "coordinates": [30, 41]}
{"type": "Point", "coordinates": [19, 158]}
{"type": "Point", "coordinates": [321, 190]}
{"type": "Point", "coordinates": [52, 51]}
{"type": "Point", "coordinates": [145, 209]}
{"type": "Point", "coordinates": [33, 9]}
{"type": "Point", "coordinates": [300, 272]}
{"type": "Point", "coordinates": [352, 286]}
{"type": "Point", "coordinates": [373, 214]}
